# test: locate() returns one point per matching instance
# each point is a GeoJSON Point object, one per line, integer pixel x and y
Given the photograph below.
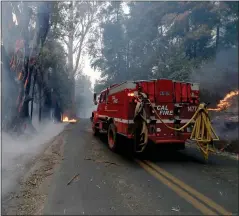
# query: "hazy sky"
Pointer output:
{"type": "Point", "coordinates": [89, 71]}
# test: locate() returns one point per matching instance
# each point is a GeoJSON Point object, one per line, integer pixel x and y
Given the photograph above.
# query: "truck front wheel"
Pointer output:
{"type": "Point", "coordinates": [95, 131]}
{"type": "Point", "coordinates": [112, 138]}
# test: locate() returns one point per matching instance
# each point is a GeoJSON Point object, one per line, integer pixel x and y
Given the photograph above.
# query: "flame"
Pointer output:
{"type": "Point", "coordinates": [26, 83]}
{"type": "Point", "coordinates": [72, 120]}
{"type": "Point", "coordinates": [225, 102]}
{"type": "Point", "coordinates": [20, 76]}
{"type": "Point", "coordinates": [66, 119]}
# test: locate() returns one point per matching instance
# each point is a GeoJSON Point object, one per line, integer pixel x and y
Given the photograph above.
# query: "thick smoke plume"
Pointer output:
{"type": "Point", "coordinates": [217, 78]}
{"type": "Point", "coordinates": [220, 75]}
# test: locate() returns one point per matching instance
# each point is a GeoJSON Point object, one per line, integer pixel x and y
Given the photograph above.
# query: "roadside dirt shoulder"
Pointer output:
{"type": "Point", "coordinates": [30, 198]}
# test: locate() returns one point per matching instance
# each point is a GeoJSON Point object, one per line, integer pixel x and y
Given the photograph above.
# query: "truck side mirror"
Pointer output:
{"type": "Point", "coordinates": [95, 102]}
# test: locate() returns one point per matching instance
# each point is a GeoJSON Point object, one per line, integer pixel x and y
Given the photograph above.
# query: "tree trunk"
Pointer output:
{"type": "Point", "coordinates": [195, 49]}
{"type": "Point", "coordinates": [40, 102]}
{"type": "Point", "coordinates": [217, 37]}
{"type": "Point", "coordinates": [33, 91]}
{"type": "Point", "coordinates": [71, 72]}
{"type": "Point", "coordinates": [24, 86]}
{"type": "Point", "coordinates": [71, 40]}
{"type": "Point", "coordinates": [70, 57]}
{"type": "Point", "coordinates": [73, 112]}
{"type": "Point", "coordinates": [127, 60]}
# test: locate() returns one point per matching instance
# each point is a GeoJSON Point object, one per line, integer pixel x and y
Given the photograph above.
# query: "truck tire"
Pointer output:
{"type": "Point", "coordinates": [180, 146]}
{"type": "Point", "coordinates": [112, 138]}
{"type": "Point", "coordinates": [95, 131]}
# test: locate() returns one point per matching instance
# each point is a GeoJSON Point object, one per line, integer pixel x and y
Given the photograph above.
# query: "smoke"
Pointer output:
{"type": "Point", "coordinates": [84, 96]}
{"type": "Point", "coordinates": [220, 75]}
{"type": "Point", "coordinates": [85, 112]}
{"type": "Point", "coordinates": [224, 132]}
{"type": "Point", "coordinates": [17, 152]}
{"type": "Point", "coordinates": [217, 78]}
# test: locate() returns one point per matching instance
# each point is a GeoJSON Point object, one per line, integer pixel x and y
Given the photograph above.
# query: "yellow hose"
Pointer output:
{"type": "Point", "coordinates": [144, 130]}
{"type": "Point", "coordinates": [203, 132]}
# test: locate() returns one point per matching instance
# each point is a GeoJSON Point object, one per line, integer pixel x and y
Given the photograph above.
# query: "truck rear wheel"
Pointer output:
{"type": "Point", "coordinates": [112, 138]}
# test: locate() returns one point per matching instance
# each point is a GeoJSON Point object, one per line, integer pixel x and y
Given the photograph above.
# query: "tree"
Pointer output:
{"type": "Point", "coordinates": [161, 39]}
{"type": "Point", "coordinates": [31, 62]}
{"type": "Point", "coordinates": [74, 22]}
{"type": "Point", "coordinates": [26, 45]}
{"type": "Point", "coordinates": [57, 79]}
{"type": "Point", "coordinates": [110, 56]}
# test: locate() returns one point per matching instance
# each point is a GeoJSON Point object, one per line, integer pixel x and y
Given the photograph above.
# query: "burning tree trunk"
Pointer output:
{"type": "Point", "coordinates": [30, 53]}
{"type": "Point", "coordinates": [9, 92]}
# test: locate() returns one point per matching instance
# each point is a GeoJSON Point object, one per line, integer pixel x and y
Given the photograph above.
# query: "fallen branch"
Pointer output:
{"type": "Point", "coordinates": [99, 161]}
{"type": "Point", "coordinates": [48, 174]}
{"type": "Point", "coordinates": [225, 147]}
{"type": "Point", "coordinates": [72, 178]}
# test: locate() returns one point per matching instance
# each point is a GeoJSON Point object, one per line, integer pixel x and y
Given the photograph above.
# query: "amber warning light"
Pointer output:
{"type": "Point", "coordinates": [130, 94]}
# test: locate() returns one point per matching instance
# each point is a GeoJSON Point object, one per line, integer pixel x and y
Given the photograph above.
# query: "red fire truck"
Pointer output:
{"type": "Point", "coordinates": [132, 109]}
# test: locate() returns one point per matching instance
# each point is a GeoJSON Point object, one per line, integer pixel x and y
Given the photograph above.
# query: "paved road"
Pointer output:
{"type": "Point", "coordinates": [179, 183]}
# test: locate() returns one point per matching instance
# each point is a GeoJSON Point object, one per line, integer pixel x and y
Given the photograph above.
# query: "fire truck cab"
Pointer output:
{"type": "Point", "coordinates": [175, 102]}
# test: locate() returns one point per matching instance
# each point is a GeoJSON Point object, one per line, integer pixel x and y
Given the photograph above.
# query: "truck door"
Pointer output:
{"type": "Point", "coordinates": [102, 103]}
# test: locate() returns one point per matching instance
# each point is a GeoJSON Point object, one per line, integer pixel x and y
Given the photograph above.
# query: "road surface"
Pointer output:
{"type": "Point", "coordinates": [179, 183]}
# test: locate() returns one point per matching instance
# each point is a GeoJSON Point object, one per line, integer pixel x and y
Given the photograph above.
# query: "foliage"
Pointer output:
{"type": "Point", "coordinates": [54, 58]}
{"type": "Point", "coordinates": [160, 39]}
{"type": "Point", "coordinates": [73, 21]}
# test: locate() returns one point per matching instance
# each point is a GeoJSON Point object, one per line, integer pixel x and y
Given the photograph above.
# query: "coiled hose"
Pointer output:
{"type": "Point", "coordinates": [203, 132]}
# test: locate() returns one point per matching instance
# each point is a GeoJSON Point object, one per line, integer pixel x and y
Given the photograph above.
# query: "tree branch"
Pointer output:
{"type": "Point", "coordinates": [80, 46]}
{"type": "Point", "coordinates": [65, 41]}
{"type": "Point", "coordinates": [78, 55]}
{"type": "Point", "coordinates": [17, 12]}
{"type": "Point", "coordinates": [77, 46]}
{"type": "Point", "coordinates": [77, 28]}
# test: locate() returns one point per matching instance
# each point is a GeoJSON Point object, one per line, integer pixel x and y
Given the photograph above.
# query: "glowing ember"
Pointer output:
{"type": "Point", "coordinates": [225, 102]}
{"type": "Point", "coordinates": [20, 76]}
{"type": "Point", "coordinates": [72, 120]}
